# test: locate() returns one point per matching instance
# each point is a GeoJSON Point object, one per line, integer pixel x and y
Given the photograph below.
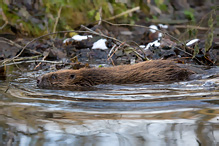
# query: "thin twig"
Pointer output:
{"type": "Point", "coordinates": [112, 62]}
{"type": "Point", "coordinates": [190, 55]}
{"type": "Point", "coordinates": [33, 61]}
{"type": "Point", "coordinates": [123, 13]}
{"type": "Point", "coordinates": [57, 19]}
{"type": "Point", "coordinates": [33, 40]}
{"type": "Point", "coordinates": [4, 18]}
{"type": "Point", "coordinates": [3, 25]}
{"type": "Point", "coordinates": [140, 49]}
{"type": "Point", "coordinates": [42, 60]}
{"type": "Point", "coordinates": [168, 21]}
{"type": "Point", "coordinates": [111, 50]}
{"type": "Point", "coordinates": [135, 25]}
{"type": "Point", "coordinates": [198, 24]}
{"type": "Point", "coordinates": [191, 27]}
{"type": "Point", "coordinates": [158, 31]}
{"type": "Point", "coordinates": [103, 35]}
{"type": "Point", "coordinates": [100, 13]}
{"type": "Point", "coordinates": [10, 42]}
{"type": "Point", "coordinates": [25, 58]}
{"type": "Point", "coordinates": [116, 50]}
{"type": "Point", "coordinates": [18, 66]}
{"type": "Point", "coordinates": [139, 55]}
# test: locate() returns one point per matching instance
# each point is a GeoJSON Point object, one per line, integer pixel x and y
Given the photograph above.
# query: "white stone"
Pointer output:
{"type": "Point", "coordinates": [100, 44]}
{"type": "Point", "coordinates": [192, 42]}
{"type": "Point", "coordinates": [81, 37]}
{"type": "Point", "coordinates": [154, 28]}
{"type": "Point", "coordinates": [67, 40]}
{"type": "Point", "coordinates": [142, 46]}
{"type": "Point", "coordinates": [163, 26]}
{"type": "Point", "coordinates": [155, 43]}
{"type": "Point", "coordinates": [160, 35]}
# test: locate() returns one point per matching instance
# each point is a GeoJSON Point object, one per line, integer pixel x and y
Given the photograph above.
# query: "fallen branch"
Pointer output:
{"type": "Point", "coordinates": [26, 58]}
{"type": "Point", "coordinates": [191, 27]}
{"type": "Point", "coordinates": [10, 42]}
{"type": "Point", "coordinates": [42, 60]}
{"type": "Point", "coordinates": [136, 44]}
{"type": "Point", "coordinates": [105, 36]}
{"type": "Point", "coordinates": [157, 21]}
{"type": "Point", "coordinates": [34, 61]}
{"type": "Point", "coordinates": [8, 60]}
{"type": "Point", "coordinates": [135, 25]}
{"type": "Point", "coordinates": [158, 31]}
{"type": "Point", "coordinates": [190, 55]}
{"type": "Point", "coordinates": [110, 57]}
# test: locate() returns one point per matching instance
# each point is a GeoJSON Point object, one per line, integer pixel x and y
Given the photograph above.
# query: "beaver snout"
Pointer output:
{"type": "Point", "coordinates": [39, 80]}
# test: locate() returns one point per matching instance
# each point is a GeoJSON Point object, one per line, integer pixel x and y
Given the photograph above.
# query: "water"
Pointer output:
{"type": "Point", "coordinates": [184, 113]}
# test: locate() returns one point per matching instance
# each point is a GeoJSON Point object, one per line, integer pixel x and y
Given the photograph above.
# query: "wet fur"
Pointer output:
{"type": "Point", "coordinates": [144, 72]}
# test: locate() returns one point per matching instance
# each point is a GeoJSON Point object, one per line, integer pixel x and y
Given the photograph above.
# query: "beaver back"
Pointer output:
{"type": "Point", "coordinates": [144, 72]}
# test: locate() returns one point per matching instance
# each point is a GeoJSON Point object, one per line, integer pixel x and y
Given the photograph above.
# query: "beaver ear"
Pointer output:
{"type": "Point", "coordinates": [72, 76]}
{"type": "Point", "coordinates": [53, 76]}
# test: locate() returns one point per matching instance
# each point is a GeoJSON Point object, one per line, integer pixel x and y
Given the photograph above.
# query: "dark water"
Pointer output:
{"type": "Point", "coordinates": [184, 113]}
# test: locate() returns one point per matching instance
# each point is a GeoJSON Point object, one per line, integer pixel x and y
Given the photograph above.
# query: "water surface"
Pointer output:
{"type": "Point", "coordinates": [182, 113]}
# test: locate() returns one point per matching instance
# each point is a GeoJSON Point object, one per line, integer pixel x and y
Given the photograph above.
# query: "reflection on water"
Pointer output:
{"type": "Point", "coordinates": [185, 113]}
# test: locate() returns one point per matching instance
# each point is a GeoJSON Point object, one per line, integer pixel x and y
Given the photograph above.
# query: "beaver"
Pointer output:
{"type": "Point", "coordinates": [143, 72]}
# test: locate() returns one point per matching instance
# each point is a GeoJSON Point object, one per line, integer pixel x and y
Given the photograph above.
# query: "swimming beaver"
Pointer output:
{"type": "Point", "coordinates": [144, 72]}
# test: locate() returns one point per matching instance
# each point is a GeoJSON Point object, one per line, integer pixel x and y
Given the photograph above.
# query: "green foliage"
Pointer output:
{"type": "Point", "coordinates": [79, 12]}
{"type": "Point", "coordinates": [196, 50]}
{"type": "Point", "coordinates": [192, 32]}
{"type": "Point", "coordinates": [190, 14]}
{"type": "Point", "coordinates": [73, 14]}
{"type": "Point", "coordinates": [160, 4]}
{"type": "Point", "coordinates": [154, 17]}
{"type": "Point", "coordinates": [210, 35]}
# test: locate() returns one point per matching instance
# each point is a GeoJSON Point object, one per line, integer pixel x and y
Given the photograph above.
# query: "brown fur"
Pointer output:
{"type": "Point", "coordinates": [144, 72]}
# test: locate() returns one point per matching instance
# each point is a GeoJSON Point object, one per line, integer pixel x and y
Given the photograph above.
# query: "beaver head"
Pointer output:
{"type": "Point", "coordinates": [63, 79]}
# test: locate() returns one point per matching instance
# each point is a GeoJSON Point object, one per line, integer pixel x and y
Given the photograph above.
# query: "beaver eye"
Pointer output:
{"type": "Point", "coordinates": [53, 77]}
{"type": "Point", "coordinates": [72, 76]}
